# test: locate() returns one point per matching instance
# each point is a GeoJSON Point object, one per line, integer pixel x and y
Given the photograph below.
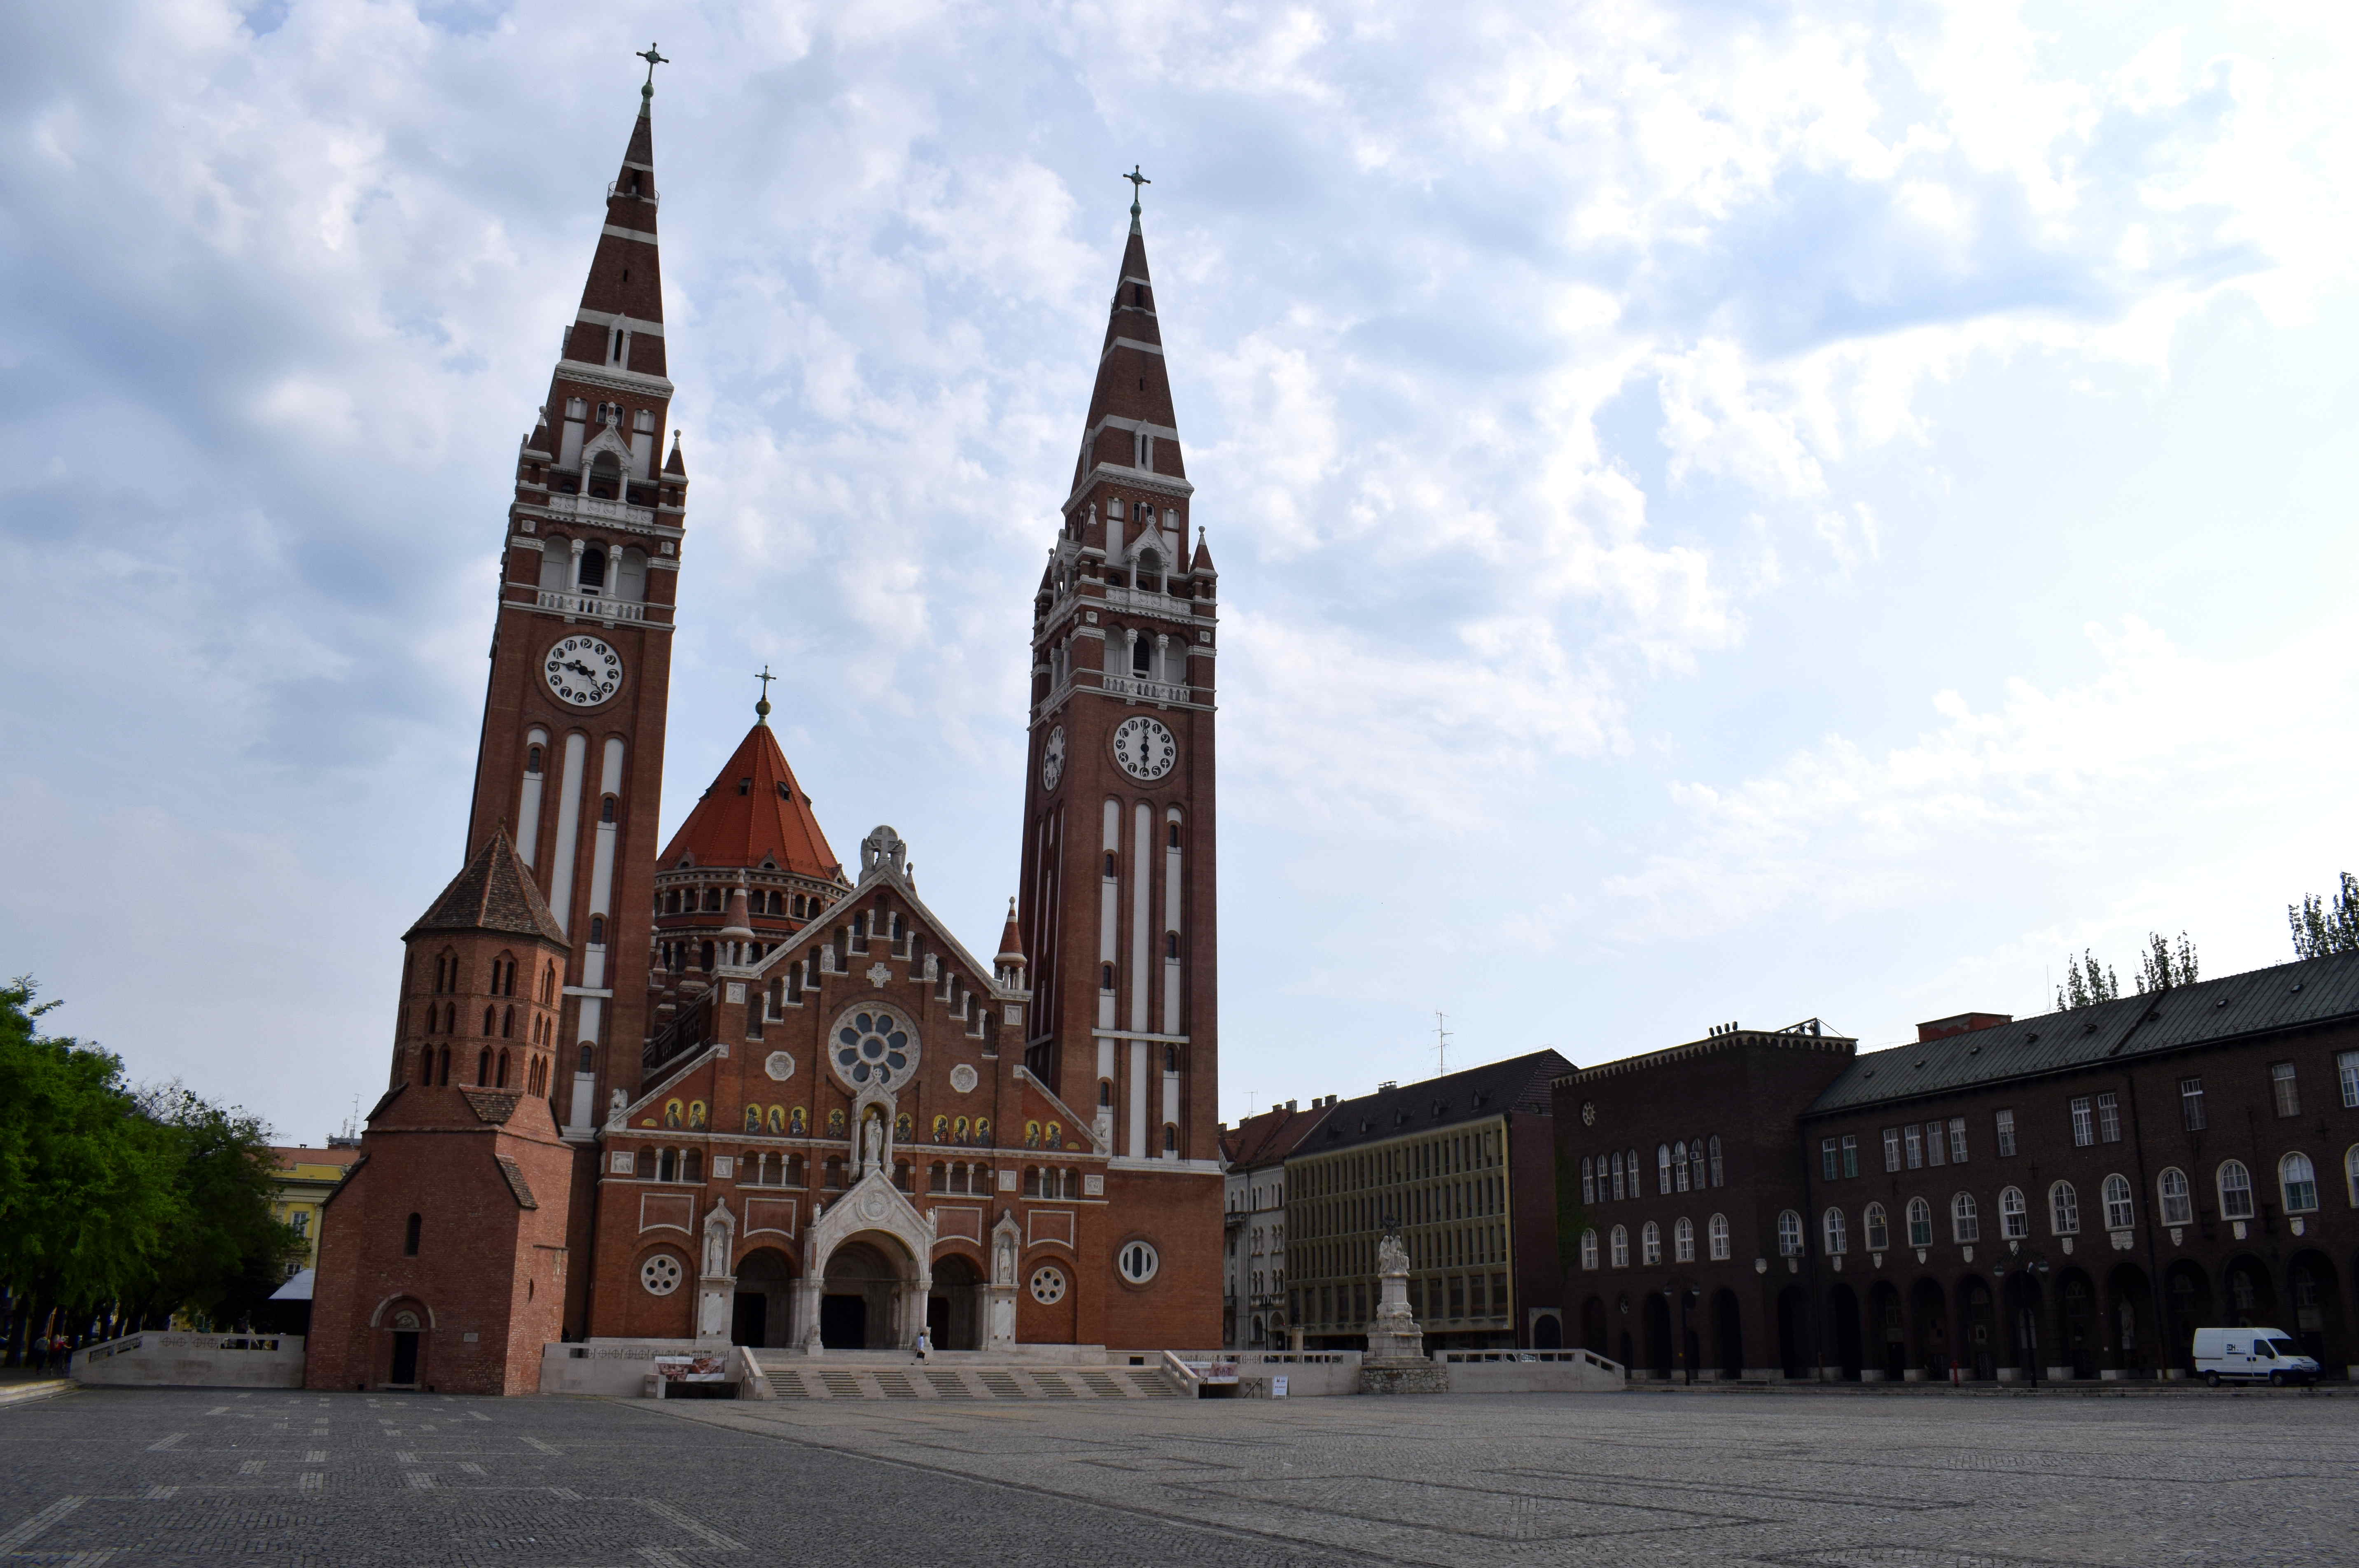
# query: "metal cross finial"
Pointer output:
{"type": "Point", "coordinates": [653, 60]}
{"type": "Point", "coordinates": [1136, 180]}
{"type": "Point", "coordinates": [762, 708]}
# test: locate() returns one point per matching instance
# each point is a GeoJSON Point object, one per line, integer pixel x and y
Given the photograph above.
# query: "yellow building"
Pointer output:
{"type": "Point", "coordinates": [306, 1177]}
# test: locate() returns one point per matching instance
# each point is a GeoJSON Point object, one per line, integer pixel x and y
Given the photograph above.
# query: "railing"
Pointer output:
{"type": "Point", "coordinates": [1589, 1358]}
{"type": "Point", "coordinates": [1146, 690]}
{"type": "Point", "coordinates": [605, 510]}
{"type": "Point", "coordinates": [1140, 600]}
{"type": "Point", "coordinates": [592, 604]}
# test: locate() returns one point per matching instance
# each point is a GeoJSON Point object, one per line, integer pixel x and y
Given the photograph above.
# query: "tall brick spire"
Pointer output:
{"type": "Point", "coordinates": [1130, 423]}
{"type": "Point", "coordinates": [620, 323]}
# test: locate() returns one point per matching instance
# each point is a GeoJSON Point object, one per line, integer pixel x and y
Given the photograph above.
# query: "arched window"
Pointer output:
{"type": "Point", "coordinates": [1588, 1179]}
{"type": "Point", "coordinates": [667, 1166]}
{"type": "Point", "coordinates": [1105, 977]}
{"type": "Point", "coordinates": [1172, 944]}
{"type": "Point", "coordinates": [692, 1165]}
{"type": "Point", "coordinates": [2298, 1180]}
{"type": "Point", "coordinates": [2014, 1215]}
{"type": "Point", "coordinates": [1170, 1140]}
{"type": "Point", "coordinates": [409, 1236]}
{"type": "Point", "coordinates": [1683, 1240]}
{"type": "Point", "coordinates": [1621, 1247]}
{"type": "Point", "coordinates": [1835, 1234]}
{"type": "Point", "coordinates": [2177, 1203]}
{"type": "Point", "coordinates": [2235, 1191]}
{"type": "Point", "coordinates": [507, 1023]}
{"type": "Point", "coordinates": [1172, 1058]}
{"type": "Point", "coordinates": [1679, 1164]}
{"type": "Point", "coordinates": [2350, 1173]}
{"type": "Point", "coordinates": [1650, 1243]}
{"type": "Point", "coordinates": [502, 1077]}
{"type": "Point", "coordinates": [585, 1056]}
{"type": "Point", "coordinates": [442, 1067]}
{"type": "Point", "coordinates": [598, 929]}
{"type": "Point", "coordinates": [2064, 1209]}
{"type": "Point", "coordinates": [1713, 1144]}
{"type": "Point", "coordinates": [1790, 1234]}
{"type": "Point", "coordinates": [1965, 1223]}
{"type": "Point", "coordinates": [1695, 1162]}
{"type": "Point", "coordinates": [1589, 1249]}
{"type": "Point", "coordinates": [1715, 1230]}
{"type": "Point", "coordinates": [1617, 1174]}
{"type": "Point", "coordinates": [1662, 1168]}
{"type": "Point", "coordinates": [1920, 1223]}
{"type": "Point", "coordinates": [1877, 1231]}
{"type": "Point", "coordinates": [491, 1016]}
{"type": "Point", "coordinates": [484, 1068]}
{"type": "Point", "coordinates": [2120, 1212]}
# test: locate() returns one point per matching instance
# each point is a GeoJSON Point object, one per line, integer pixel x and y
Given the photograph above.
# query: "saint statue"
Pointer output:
{"type": "Point", "coordinates": [872, 1143]}
{"type": "Point", "coordinates": [1392, 1257]}
{"type": "Point", "coordinates": [1003, 1261]}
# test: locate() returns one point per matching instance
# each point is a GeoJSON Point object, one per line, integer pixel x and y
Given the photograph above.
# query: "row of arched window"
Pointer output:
{"type": "Point", "coordinates": [1650, 1243]}
{"type": "Point", "coordinates": [1045, 1181]}
{"type": "Point", "coordinates": [492, 1072]}
{"type": "Point", "coordinates": [504, 977]}
{"type": "Point", "coordinates": [1689, 1164]}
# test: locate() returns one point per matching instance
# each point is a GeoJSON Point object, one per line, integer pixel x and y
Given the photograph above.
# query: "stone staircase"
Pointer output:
{"type": "Point", "coordinates": [793, 1376]}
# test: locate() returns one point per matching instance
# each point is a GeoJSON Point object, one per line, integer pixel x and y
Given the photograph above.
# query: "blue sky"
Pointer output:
{"type": "Point", "coordinates": [1726, 511]}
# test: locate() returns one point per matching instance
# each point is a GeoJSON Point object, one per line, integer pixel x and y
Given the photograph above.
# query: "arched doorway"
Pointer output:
{"type": "Point", "coordinates": [1728, 1334]}
{"type": "Point", "coordinates": [1690, 1334]}
{"type": "Point", "coordinates": [763, 1308]}
{"type": "Point", "coordinates": [1657, 1314]}
{"type": "Point", "coordinates": [2189, 1291]}
{"type": "Point", "coordinates": [407, 1323]}
{"type": "Point", "coordinates": [954, 1309]}
{"type": "Point", "coordinates": [2317, 1309]}
{"type": "Point", "coordinates": [2076, 1304]}
{"type": "Point", "coordinates": [1793, 1332]}
{"type": "Point", "coordinates": [1547, 1332]}
{"type": "Point", "coordinates": [1843, 1315]}
{"type": "Point", "coordinates": [2252, 1304]}
{"type": "Point", "coordinates": [1887, 1342]}
{"type": "Point", "coordinates": [1978, 1316]}
{"type": "Point", "coordinates": [1592, 1325]}
{"type": "Point", "coordinates": [2024, 1347]}
{"type": "Point", "coordinates": [856, 1306]}
{"type": "Point", "coordinates": [2129, 1321]}
{"type": "Point", "coordinates": [1928, 1306]}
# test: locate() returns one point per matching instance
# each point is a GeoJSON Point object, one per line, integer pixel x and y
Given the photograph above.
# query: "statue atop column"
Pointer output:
{"type": "Point", "coordinates": [1396, 1362]}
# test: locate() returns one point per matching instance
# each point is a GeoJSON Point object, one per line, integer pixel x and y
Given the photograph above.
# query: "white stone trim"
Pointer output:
{"type": "Point", "coordinates": [612, 379]}
{"type": "Point", "coordinates": [615, 318]}
{"type": "Point", "coordinates": [639, 235]}
{"type": "Point", "coordinates": [1154, 349]}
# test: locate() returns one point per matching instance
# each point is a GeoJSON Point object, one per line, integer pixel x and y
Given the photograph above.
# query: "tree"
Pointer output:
{"type": "Point", "coordinates": [2319, 930]}
{"type": "Point", "coordinates": [2087, 982]}
{"type": "Point", "coordinates": [2162, 967]}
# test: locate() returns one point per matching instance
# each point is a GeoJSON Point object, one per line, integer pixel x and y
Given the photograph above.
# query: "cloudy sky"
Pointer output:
{"type": "Point", "coordinates": [1726, 511]}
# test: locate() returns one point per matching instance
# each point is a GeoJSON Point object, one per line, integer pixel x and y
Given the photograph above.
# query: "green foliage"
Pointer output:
{"type": "Point", "coordinates": [2320, 929]}
{"type": "Point", "coordinates": [2162, 966]}
{"type": "Point", "coordinates": [106, 1194]}
{"type": "Point", "coordinates": [2087, 982]}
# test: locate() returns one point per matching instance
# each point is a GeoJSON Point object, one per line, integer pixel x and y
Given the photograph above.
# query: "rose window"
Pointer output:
{"type": "Point", "coordinates": [660, 1275]}
{"type": "Point", "coordinates": [1048, 1286]}
{"type": "Point", "coordinates": [873, 1048]}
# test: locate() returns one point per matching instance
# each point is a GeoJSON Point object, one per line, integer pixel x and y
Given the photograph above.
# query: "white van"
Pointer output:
{"type": "Point", "coordinates": [2251, 1354]}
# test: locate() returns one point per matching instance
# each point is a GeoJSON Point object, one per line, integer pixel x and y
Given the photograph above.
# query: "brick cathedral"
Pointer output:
{"type": "Point", "coordinates": [729, 1089]}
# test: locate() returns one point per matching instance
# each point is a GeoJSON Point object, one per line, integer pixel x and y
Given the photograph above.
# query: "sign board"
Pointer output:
{"type": "Point", "coordinates": [1278, 1388]}
{"type": "Point", "coordinates": [1214, 1371]}
{"type": "Point", "coordinates": [693, 1368]}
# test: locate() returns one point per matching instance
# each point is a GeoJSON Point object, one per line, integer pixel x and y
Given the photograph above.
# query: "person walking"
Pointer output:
{"type": "Point", "coordinates": [925, 1344]}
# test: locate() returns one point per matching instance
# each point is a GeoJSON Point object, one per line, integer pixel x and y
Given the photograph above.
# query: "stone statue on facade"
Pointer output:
{"type": "Point", "coordinates": [1392, 1263]}
{"type": "Point", "coordinates": [872, 1139]}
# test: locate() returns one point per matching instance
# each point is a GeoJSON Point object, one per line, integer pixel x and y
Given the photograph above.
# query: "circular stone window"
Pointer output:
{"type": "Point", "coordinates": [873, 1047]}
{"type": "Point", "coordinates": [963, 1078]}
{"type": "Point", "coordinates": [1048, 1285]}
{"type": "Point", "coordinates": [1138, 1262]}
{"type": "Point", "coordinates": [660, 1275]}
{"type": "Point", "coordinates": [779, 1065]}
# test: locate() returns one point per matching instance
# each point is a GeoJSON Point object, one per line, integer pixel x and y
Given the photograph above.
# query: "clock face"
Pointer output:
{"type": "Point", "coordinates": [1145, 748]}
{"type": "Point", "coordinates": [582, 671]}
{"type": "Point", "coordinates": [1052, 758]}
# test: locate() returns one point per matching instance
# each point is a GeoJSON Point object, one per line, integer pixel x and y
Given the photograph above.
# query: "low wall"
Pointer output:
{"type": "Point", "coordinates": [1308, 1374]}
{"type": "Point", "coordinates": [157, 1359]}
{"type": "Point", "coordinates": [1530, 1372]}
{"type": "Point", "coordinates": [616, 1368]}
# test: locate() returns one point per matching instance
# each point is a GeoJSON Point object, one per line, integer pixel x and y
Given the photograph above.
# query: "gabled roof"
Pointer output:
{"type": "Point", "coordinates": [1518, 1084]}
{"type": "Point", "coordinates": [2257, 1002]}
{"type": "Point", "coordinates": [495, 893]}
{"type": "Point", "coordinates": [754, 811]}
{"type": "Point", "coordinates": [1270, 1137]}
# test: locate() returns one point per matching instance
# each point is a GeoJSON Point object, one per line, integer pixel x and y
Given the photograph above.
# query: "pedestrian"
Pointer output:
{"type": "Point", "coordinates": [925, 1343]}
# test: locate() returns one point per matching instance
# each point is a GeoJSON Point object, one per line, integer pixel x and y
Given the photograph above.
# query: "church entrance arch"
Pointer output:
{"type": "Point", "coordinates": [764, 1308]}
{"type": "Point", "coordinates": [860, 1301]}
{"type": "Point", "coordinates": [954, 1309]}
{"type": "Point", "coordinates": [405, 1323]}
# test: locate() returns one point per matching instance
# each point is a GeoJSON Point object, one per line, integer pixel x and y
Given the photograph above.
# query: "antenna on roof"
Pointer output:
{"type": "Point", "coordinates": [1441, 1046]}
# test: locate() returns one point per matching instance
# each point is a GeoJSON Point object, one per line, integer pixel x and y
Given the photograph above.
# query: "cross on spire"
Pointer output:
{"type": "Point", "coordinates": [1136, 180]}
{"type": "Point", "coordinates": [762, 708]}
{"type": "Point", "coordinates": [653, 60]}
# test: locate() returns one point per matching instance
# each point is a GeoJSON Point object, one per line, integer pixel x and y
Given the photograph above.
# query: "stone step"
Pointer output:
{"type": "Point", "coordinates": [798, 1378]}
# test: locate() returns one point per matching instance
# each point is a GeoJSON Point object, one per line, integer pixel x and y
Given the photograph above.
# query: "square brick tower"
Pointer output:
{"type": "Point", "coordinates": [1118, 898]}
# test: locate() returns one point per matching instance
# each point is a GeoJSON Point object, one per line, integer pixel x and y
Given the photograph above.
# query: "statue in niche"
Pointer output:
{"type": "Point", "coordinates": [1003, 1261]}
{"type": "Point", "coordinates": [615, 1105]}
{"type": "Point", "coordinates": [716, 1243]}
{"type": "Point", "coordinates": [872, 1143]}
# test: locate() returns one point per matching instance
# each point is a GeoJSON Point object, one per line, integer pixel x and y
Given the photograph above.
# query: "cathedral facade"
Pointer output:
{"type": "Point", "coordinates": [729, 1089]}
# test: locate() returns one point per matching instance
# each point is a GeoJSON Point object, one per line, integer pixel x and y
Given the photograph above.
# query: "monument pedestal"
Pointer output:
{"type": "Point", "coordinates": [1395, 1362]}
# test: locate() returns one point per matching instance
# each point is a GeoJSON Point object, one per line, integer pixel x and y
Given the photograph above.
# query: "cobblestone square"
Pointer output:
{"type": "Point", "coordinates": [1805, 1479]}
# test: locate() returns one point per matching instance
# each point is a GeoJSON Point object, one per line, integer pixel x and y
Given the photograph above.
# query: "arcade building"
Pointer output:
{"type": "Point", "coordinates": [729, 1089]}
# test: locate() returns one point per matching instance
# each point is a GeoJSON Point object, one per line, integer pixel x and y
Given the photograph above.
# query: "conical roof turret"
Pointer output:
{"type": "Point", "coordinates": [495, 893]}
{"type": "Point", "coordinates": [754, 811]}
